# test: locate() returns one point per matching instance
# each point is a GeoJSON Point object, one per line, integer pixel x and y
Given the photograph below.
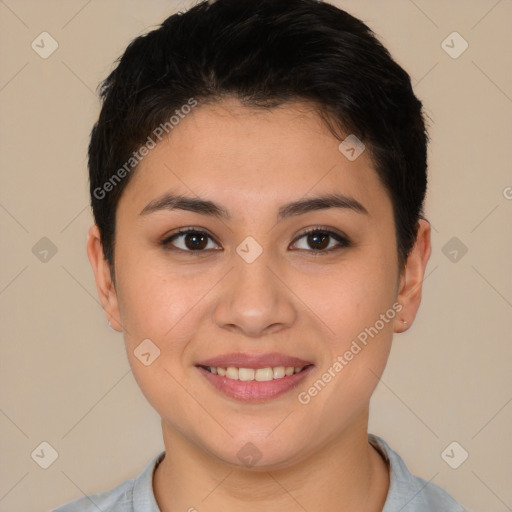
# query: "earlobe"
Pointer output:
{"type": "Point", "coordinates": [411, 281]}
{"type": "Point", "coordinates": [104, 283]}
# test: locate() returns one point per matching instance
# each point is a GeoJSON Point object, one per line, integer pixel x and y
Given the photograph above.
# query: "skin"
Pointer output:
{"type": "Point", "coordinates": [289, 300]}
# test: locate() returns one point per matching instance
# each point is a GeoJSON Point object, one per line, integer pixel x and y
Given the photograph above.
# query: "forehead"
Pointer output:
{"type": "Point", "coordinates": [245, 156]}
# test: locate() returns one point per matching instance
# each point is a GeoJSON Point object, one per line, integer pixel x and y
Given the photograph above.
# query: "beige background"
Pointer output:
{"type": "Point", "coordinates": [64, 374]}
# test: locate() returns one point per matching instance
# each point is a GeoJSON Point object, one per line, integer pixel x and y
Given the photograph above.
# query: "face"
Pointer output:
{"type": "Point", "coordinates": [266, 279]}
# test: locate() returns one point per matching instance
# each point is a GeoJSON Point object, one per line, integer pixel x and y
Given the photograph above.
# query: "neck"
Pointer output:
{"type": "Point", "coordinates": [347, 473]}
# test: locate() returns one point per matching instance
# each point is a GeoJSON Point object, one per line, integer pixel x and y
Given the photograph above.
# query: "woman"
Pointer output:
{"type": "Point", "coordinates": [257, 176]}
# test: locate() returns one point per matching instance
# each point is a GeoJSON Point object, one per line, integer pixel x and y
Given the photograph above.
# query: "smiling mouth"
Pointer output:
{"type": "Point", "coordinates": [255, 374]}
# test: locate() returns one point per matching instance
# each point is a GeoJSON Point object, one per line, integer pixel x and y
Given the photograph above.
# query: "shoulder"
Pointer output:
{"type": "Point", "coordinates": [119, 499]}
{"type": "Point", "coordinates": [408, 492]}
{"type": "Point", "coordinates": [129, 496]}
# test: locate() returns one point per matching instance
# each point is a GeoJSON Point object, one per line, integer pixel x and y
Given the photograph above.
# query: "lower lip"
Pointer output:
{"type": "Point", "coordinates": [253, 390]}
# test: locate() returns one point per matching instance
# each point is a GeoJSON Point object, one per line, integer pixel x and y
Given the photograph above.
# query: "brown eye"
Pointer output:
{"type": "Point", "coordinates": [190, 240]}
{"type": "Point", "coordinates": [322, 241]}
{"type": "Point", "coordinates": [318, 240]}
{"type": "Point", "coordinates": [195, 241]}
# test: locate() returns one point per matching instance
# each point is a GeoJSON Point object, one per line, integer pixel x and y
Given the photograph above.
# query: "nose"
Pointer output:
{"type": "Point", "coordinates": [254, 300]}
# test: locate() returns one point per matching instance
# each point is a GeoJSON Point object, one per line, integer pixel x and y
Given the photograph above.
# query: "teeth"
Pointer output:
{"type": "Point", "coordinates": [279, 372]}
{"type": "Point", "coordinates": [260, 374]}
{"type": "Point", "coordinates": [246, 373]}
{"type": "Point", "coordinates": [232, 373]}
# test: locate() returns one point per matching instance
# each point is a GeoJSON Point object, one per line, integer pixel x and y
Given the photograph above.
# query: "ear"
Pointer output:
{"type": "Point", "coordinates": [104, 283]}
{"type": "Point", "coordinates": [411, 279]}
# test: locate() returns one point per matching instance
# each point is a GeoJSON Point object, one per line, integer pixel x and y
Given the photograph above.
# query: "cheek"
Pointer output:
{"type": "Point", "coordinates": [160, 308]}
{"type": "Point", "coordinates": [357, 303]}
{"type": "Point", "coordinates": [352, 296]}
{"type": "Point", "coordinates": [156, 301]}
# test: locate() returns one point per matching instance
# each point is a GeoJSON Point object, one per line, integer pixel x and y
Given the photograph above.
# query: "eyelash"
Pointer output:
{"type": "Point", "coordinates": [343, 241]}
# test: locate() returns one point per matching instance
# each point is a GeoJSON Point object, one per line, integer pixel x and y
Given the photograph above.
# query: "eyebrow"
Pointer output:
{"type": "Point", "coordinates": [206, 207]}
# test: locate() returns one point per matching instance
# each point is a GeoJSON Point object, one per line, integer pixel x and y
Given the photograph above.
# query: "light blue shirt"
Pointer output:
{"type": "Point", "coordinates": [407, 493]}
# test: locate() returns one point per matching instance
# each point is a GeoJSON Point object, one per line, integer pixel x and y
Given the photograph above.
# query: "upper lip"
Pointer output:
{"type": "Point", "coordinates": [240, 360]}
